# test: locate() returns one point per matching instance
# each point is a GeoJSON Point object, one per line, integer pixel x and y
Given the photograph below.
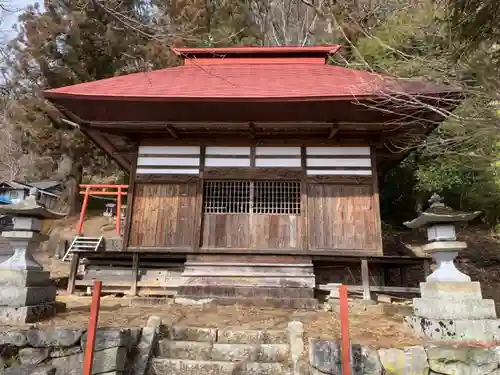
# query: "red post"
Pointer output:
{"type": "Point", "coordinates": [84, 208]}
{"type": "Point", "coordinates": [344, 331]}
{"type": "Point", "coordinates": [94, 317]}
{"type": "Point", "coordinates": [118, 210]}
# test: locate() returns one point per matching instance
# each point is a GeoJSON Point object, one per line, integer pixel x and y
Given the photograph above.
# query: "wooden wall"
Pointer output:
{"type": "Point", "coordinates": [163, 215]}
{"type": "Point", "coordinates": [339, 206]}
{"type": "Point", "coordinates": [341, 217]}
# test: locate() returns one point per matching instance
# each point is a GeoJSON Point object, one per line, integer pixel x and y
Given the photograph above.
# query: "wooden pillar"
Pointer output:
{"type": "Point", "coordinates": [304, 201]}
{"type": "Point", "coordinates": [75, 261]}
{"type": "Point", "coordinates": [130, 199]}
{"type": "Point", "coordinates": [365, 278]}
{"type": "Point", "coordinates": [403, 276]}
{"type": "Point", "coordinates": [376, 203]}
{"type": "Point", "coordinates": [135, 273]}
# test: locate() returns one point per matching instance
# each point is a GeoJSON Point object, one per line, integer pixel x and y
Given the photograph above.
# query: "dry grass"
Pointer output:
{"type": "Point", "coordinates": [372, 327]}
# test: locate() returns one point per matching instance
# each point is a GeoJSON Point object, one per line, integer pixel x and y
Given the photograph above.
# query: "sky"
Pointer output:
{"type": "Point", "coordinates": [10, 18]}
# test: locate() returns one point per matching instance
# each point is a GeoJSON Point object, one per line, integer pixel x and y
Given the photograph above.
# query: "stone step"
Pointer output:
{"type": "Point", "coordinates": [240, 336]}
{"type": "Point", "coordinates": [279, 303]}
{"type": "Point", "coordinates": [160, 366]}
{"type": "Point", "coordinates": [254, 353]}
{"type": "Point", "coordinates": [222, 352]}
{"type": "Point", "coordinates": [181, 333]}
{"type": "Point", "coordinates": [209, 291]}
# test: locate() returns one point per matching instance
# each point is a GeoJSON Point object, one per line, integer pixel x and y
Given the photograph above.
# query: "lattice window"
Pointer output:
{"type": "Point", "coordinates": [257, 197]}
{"type": "Point", "coordinates": [228, 197]}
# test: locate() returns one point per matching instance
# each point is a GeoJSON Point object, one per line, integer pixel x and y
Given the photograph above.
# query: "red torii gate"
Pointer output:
{"type": "Point", "coordinates": [102, 190]}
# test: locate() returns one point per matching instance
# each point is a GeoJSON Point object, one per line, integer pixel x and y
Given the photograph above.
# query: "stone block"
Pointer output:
{"type": "Point", "coordinates": [15, 337]}
{"type": "Point", "coordinates": [188, 367]}
{"type": "Point", "coordinates": [253, 353]}
{"type": "Point", "coordinates": [27, 223]}
{"type": "Point", "coordinates": [454, 309]}
{"type": "Point", "coordinates": [184, 349]}
{"type": "Point", "coordinates": [193, 334]}
{"type": "Point", "coordinates": [110, 337]}
{"type": "Point", "coordinates": [33, 356]}
{"type": "Point", "coordinates": [146, 346]}
{"type": "Point", "coordinates": [449, 329]}
{"type": "Point", "coordinates": [230, 336]}
{"type": "Point", "coordinates": [410, 360]}
{"type": "Point", "coordinates": [325, 357]}
{"type": "Point", "coordinates": [64, 352]}
{"type": "Point", "coordinates": [112, 359]}
{"type": "Point", "coordinates": [27, 296]}
{"type": "Point", "coordinates": [107, 360]}
{"type": "Point", "coordinates": [30, 314]}
{"type": "Point", "coordinates": [30, 370]}
{"type": "Point", "coordinates": [54, 337]}
{"type": "Point", "coordinates": [452, 290]}
{"type": "Point", "coordinates": [114, 244]}
{"type": "Point", "coordinates": [462, 361]}
{"type": "Point", "coordinates": [24, 278]}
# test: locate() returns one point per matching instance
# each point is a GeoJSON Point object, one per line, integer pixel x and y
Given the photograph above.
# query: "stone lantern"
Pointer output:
{"type": "Point", "coordinates": [26, 291]}
{"type": "Point", "coordinates": [451, 307]}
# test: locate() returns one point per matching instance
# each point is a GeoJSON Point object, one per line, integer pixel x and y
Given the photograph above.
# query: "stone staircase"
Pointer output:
{"type": "Point", "coordinates": [210, 351]}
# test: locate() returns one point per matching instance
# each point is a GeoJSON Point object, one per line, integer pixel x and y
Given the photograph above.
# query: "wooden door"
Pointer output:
{"type": "Point", "coordinates": [163, 215]}
{"type": "Point", "coordinates": [341, 217]}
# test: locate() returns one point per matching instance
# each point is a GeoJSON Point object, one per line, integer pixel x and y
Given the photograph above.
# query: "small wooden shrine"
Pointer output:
{"type": "Point", "coordinates": [251, 162]}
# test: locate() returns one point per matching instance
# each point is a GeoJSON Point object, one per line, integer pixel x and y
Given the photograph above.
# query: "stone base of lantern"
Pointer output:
{"type": "Point", "coordinates": [27, 296]}
{"type": "Point", "coordinates": [30, 314]}
{"type": "Point", "coordinates": [454, 311]}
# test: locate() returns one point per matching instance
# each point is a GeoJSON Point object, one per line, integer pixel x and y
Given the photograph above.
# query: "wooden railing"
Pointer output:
{"type": "Point", "coordinates": [102, 190]}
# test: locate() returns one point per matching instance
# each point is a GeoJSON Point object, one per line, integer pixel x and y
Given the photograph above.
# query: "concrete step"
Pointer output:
{"type": "Point", "coordinates": [279, 303]}
{"type": "Point", "coordinates": [222, 352]}
{"type": "Point", "coordinates": [161, 366]}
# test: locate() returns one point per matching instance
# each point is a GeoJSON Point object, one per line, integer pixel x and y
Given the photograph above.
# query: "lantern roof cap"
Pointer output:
{"type": "Point", "coordinates": [439, 213]}
{"type": "Point", "coordinates": [30, 207]}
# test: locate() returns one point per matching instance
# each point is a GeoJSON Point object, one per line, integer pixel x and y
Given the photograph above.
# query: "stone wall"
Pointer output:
{"type": "Point", "coordinates": [325, 358]}
{"type": "Point", "coordinates": [60, 351]}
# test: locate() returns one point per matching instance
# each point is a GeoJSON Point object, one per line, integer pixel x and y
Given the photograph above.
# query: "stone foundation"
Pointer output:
{"type": "Point", "coordinates": [286, 282]}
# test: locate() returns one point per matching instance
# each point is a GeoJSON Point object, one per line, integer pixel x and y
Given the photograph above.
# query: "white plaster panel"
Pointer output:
{"type": "Point", "coordinates": [227, 162]}
{"type": "Point", "coordinates": [169, 150]}
{"type": "Point", "coordinates": [277, 162]}
{"type": "Point", "coordinates": [214, 150]}
{"type": "Point", "coordinates": [167, 171]}
{"type": "Point", "coordinates": [277, 151]}
{"type": "Point", "coordinates": [338, 172]}
{"type": "Point", "coordinates": [311, 162]}
{"type": "Point", "coordinates": [145, 160]}
{"type": "Point", "coordinates": [338, 151]}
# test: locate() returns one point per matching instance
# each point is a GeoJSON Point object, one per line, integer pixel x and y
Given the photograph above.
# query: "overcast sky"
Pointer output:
{"type": "Point", "coordinates": [10, 18]}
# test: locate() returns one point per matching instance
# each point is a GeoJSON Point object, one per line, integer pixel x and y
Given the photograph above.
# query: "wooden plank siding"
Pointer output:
{"type": "Point", "coordinates": [338, 206]}
{"type": "Point", "coordinates": [341, 216]}
{"type": "Point", "coordinates": [251, 231]}
{"type": "Point", "coordinates": [163, 215]}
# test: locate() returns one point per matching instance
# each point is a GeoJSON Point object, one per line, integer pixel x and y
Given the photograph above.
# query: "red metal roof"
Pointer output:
{"type": "Point", "coordinates": [255, 79]}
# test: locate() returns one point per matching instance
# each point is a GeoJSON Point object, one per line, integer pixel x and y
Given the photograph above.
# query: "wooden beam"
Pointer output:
{"type": "Point", "coordinates": [171, 131]}
{"type": "Point", "coordinates": [73, 269]}
{"type": "Point", "coordinates": [373, 288]}
{"type": "Point", "coordinates": [102, 142]}
{"type": "Point", "coordinates": [135, 274]}
{"type": "Point", "coordinates": [365, 278]}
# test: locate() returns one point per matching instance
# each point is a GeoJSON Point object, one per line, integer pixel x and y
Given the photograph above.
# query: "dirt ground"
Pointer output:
{"type": "Point", "coordinates": [376, 326]}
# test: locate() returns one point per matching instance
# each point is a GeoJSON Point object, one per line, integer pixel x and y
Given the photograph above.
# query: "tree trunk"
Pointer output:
{"type": "Point", "coordinates": [70, 198]}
